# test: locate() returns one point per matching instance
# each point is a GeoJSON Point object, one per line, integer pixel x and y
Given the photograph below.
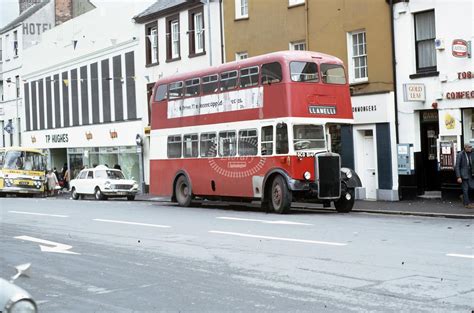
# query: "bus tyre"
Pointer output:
{"type": "Point", "coordinates": [183, 191]}
{"type": "Point", "coordinates": [74, 194]}
{"type": "Point", "coordinates": [98, 194]}
{"type": "Point", "coordinates": [280, 196]}
{"type": "Point", "coordinates": [344, 205]}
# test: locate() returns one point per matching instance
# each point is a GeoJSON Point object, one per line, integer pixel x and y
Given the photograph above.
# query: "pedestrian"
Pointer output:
{"type": "Point", "coordinates": [67, 178]}
{"type": "Point", "coordinates": [465, 173]}
{"type": "Point", "coordinates": [52, 182]}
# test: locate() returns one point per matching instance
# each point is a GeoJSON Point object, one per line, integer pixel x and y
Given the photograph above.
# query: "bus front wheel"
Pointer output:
{"type": "Point", "coordinates": [345, 202]}
{"type": "Point", "coordinates": [280, 196]}
{"type": "Point", "coordinates": [183, 191]}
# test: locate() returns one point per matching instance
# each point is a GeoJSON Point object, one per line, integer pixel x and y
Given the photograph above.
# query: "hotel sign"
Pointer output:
{"type": "Point", "coordinates": [414, 92]}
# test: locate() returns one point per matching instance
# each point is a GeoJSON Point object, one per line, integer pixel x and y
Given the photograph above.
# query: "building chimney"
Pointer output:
{"type": "Point", "coordinates": [63, 11]}
{"type": "Point", "coordinates": [25, 4]}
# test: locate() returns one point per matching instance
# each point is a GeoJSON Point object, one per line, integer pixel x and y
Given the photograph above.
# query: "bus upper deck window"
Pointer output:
{"type": "Point", "coordinates": [191, 87]}
{"type": "Point", "coordinates": [161, 93]}
{"type": "Point", "coordinates": [176, 90]}
{"type": "Point", "coordinates": [271, 73]}
{"type": "Point", "coordinates": [304, 72]}
{"type": "Point", "coordinates": [333, 74]}
{"type": "Point", "coordinates": [249, 77]}
{"type": "Point", "coordinates": [210, 84]}
{"type": "Point", "coordinates": [228, 80]}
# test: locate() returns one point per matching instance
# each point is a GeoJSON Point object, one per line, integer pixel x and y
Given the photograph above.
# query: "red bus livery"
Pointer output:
{"type": "Point", "coordinates": [254, 129]}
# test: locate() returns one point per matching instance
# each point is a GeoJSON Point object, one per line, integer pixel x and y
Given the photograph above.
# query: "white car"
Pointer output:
{"type": "Point", "coordinates": [103, 183]}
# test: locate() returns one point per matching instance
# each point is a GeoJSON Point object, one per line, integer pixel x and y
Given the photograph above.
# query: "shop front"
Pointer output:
{"type": "Point", "coordinates": [114, 145]}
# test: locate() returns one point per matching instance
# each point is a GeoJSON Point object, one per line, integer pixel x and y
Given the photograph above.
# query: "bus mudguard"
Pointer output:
{"type": "Point", "coordinates": [293, 184]}
{"type": "Point", "coordinates": [350, 178]}
{"type": "Point", "coordinates": [179, 173]}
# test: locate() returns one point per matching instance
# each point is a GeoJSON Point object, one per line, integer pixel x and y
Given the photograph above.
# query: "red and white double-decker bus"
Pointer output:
{"type": "Point", "coordinates": [253, 129]}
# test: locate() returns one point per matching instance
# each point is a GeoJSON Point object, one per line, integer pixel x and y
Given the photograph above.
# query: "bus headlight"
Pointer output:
{"type": "Point", "coordinates": [347, 172]}
{"type": "Point", "coordinates": [307, 175]}
{"type": "Point", "coordinates": [38, 184]}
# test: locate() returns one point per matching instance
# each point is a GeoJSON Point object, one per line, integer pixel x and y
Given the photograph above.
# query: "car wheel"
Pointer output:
{"type": "Point", "coordinates": [344, 205]}
{"type": "Point", "coordinates": [75, 195]}
{"type": "Point", "coordinates": [280, 196]}
{"type": "Point", "coordinates": [98, 194]}
{"type": "Point", "coordinates": [130, 198]}
{"type": "Point", "coordinates": [183, 191]}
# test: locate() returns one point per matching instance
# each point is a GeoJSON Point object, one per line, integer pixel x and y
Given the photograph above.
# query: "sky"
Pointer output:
{"type": "Point", "coordinates": [8, 11]}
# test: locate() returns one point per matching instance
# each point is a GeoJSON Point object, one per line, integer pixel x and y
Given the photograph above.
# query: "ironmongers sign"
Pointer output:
{"type": "Point", "coordinates": [322, 109]}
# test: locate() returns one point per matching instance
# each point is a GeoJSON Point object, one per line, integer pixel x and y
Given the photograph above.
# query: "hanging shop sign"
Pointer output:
{"type": "Point", "coordinates": [414, 92]}
{"type": "Point", "coordinates": [460, 48]}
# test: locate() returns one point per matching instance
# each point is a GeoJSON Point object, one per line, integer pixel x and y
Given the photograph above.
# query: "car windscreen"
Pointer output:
{"type": "Point", "coordinates": [308, 137]}
{"type": "Point", "coordinates": [109, 174]}
{"type": "Point", "coordinates": [24, 160]}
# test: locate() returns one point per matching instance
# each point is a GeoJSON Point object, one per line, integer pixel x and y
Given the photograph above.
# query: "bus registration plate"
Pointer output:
{"type": "Point", "coordinates": [23, 182]}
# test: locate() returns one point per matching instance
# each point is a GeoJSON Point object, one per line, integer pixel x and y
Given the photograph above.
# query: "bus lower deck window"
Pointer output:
{"type": "Point", "coordinates": [227, 143]}
{"type": "Point", "coordinates": [208, 145]}
{"type": "Point", "coordinates": [190, 146]}
{"type": "Point", "coordinates": [248, 142]}
{"type": "Point", "coordinates": [174, 146]}
{"type": "Point", "coordinates": [267, 140]}
{"type": "Point", "coordinates": [281, 138]}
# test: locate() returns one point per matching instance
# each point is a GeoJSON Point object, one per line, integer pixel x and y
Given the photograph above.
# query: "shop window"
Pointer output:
{"type": "Point", "coordinates": [281, 146]}
{"type": "Point", "coordinates": [248, 142]}
{"type": "Point", "coordinates": [267, 140]}
{"type": "Point", "coordinates": [249, 77]}
{"type": "Point", "coordinates": [208, 145]}
{"type": "Point", "coordinates": [190, 146]}
{"type": "Point", "coordinates": [271, 73]}
{"type": "Point", "coordinates": [174, 146]}
{"type": "Point", "coordinates": [227, 143]}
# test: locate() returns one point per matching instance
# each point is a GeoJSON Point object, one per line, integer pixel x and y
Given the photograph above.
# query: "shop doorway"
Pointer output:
{"type": "Point", "coordinates": [368, 164]}
{"type": "Point", "coordinates": [429, 132]}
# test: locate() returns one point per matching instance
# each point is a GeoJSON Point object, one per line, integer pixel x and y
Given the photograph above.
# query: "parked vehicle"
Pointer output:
{"type": "Point", "coordinates": [13, 298]}
{"type": "Point", "coordinates": [22, 171]}
{"type": "Point", "coordinates": [103, 183]}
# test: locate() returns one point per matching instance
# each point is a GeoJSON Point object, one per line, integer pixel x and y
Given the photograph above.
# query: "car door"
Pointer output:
{"type": "Point", "coordinates": [79, 182]}
{"type": "Point", "coordinates": [89, 183]}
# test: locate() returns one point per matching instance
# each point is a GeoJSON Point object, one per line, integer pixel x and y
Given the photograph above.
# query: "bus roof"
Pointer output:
{"type": "Point", "coordinates": [21, 149]}
{"type": "Point", "coordinates": [282, 56]}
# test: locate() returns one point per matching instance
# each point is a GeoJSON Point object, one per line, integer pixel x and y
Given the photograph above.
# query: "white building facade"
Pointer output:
{"type": "Point", "coordinates": [15, 37]}
{"type": "Point", "coordinates": [435, 88]}
{"type": "Point", "coordinates": [85, 101]}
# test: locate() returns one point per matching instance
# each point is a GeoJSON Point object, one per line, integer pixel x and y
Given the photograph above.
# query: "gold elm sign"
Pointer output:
{"type": "Point", "coordinates": [414, 92]}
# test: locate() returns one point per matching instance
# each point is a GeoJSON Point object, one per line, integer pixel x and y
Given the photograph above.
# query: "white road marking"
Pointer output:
{"type": "Point", "coordinates": [40, 214]}
{"type": "Point", "coordinates": [57, 247]}
{"type": "Point", "coordinates": [279, 238]}
{"type": "Point", "coordinates": [131, 223]}
{"type": "Point", "coordinates": [461, 255]}
{"type": "Point", "coordinates": [262, 221]}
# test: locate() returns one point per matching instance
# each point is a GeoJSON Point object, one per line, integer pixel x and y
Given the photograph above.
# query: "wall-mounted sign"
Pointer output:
{"type": "Point", "coordinates": [414, 92]}
{"type": "Point", "coordinates": [57, 138]}
{"type": "Point", "coordinates": [465, 75]}
{"type": "Point", "coordinates": [460, 48]}
{"type": "Point", "coordinates": [450, 122]}
{"type": "Point", "coordinates": [454, 95]}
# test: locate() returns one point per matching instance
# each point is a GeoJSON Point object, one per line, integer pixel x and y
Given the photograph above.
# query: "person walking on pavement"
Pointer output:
{"type": "Point", "coordinates": [464, 169]}
{"type": "Point", "coordinates": [52, 182]}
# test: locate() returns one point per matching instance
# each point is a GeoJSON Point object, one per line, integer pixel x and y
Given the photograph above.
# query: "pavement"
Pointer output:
{"type": "Point", "coordinates": [434, 207]}
{"type": "Point", "coordinates": [419, 207]}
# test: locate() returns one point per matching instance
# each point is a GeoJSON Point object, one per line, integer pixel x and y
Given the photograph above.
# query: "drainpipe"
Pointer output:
{"type": "Point", "coordinates": [306, 8]}
{"type": "Point", "coordinates": [221, 31]}
{"type": "Point", "coordinates": [209, 32]}
{"type": "Point", "coordinates": [394, 69]}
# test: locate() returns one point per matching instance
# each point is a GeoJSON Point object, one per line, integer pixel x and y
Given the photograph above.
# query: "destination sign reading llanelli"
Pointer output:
{"type": "Point", "coordinates": [245, 99]}
{"type": "Point", "coordinates": [322, 109]}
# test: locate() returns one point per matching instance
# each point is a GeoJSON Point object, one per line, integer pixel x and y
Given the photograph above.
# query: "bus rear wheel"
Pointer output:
{"type": "Point", "coordinates": [183, 191]}
{"type": "Point", "coordinates": [280, 196]}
